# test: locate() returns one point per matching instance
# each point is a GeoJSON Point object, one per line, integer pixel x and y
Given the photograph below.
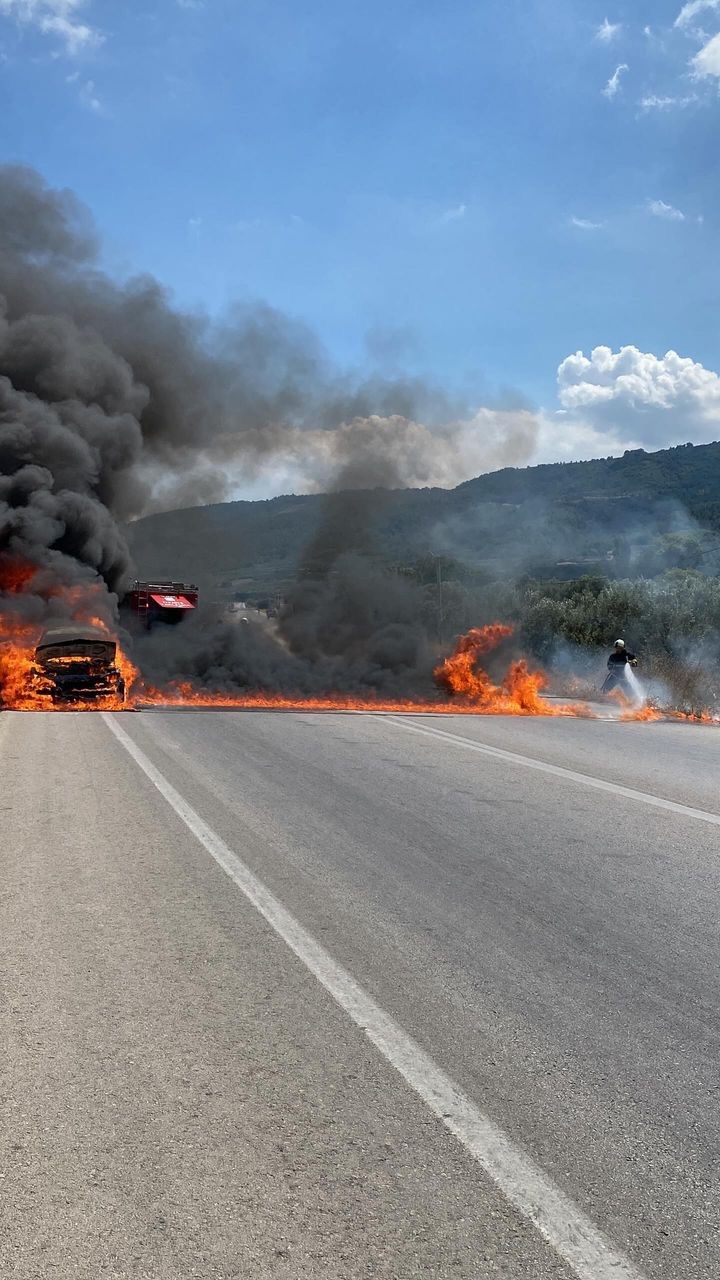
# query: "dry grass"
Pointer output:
{"type": "Point", "coordinates": [691, 687]}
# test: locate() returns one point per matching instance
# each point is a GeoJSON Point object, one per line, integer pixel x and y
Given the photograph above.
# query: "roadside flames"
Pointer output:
{"type": "Point", "coordinates": [463, 684]}
{"type": "Point", "coordinates": [17, 643]}
{"type": "Point", "coordinates": [463, 688]}
{"type": "Point", "coordinates": [520, 693]}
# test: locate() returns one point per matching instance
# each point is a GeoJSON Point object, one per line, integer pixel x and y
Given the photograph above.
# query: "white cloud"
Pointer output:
{"type": "Point", "coordinates": [707, 61]}
{"type": "Point", "coordinates": [248, 224]}
{"type": "Point", "coordinates": [584, 224]}
{"type": "Point", "coordinates": [656, 38]}
{"type": "Point", "coordinates": [655, 102]}
{"type": "Point", "coordinates": [608, 31]}
{"type": "Point", "coordinates": [87, 92]}
{"type": "Point", "coordinates": [659, 209]}
{"type": "Point", "coordinates": [60, 18]}
{"type": "Point", "coordinates": [89, 97]}
{"type": "Point", "coordinates": [455, 214]}
{"type": "Point", "coordinates": [613, 84]}
{"type": "Point", "coordinates": [562, 438]}
{"type": "Point", "coordinates": [690, 11]}
{"type": "Point", "coordinates": [654, 401]}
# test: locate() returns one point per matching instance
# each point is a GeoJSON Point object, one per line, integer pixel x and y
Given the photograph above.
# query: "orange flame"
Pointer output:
{"type": "Point", "coordinates": [644, 713]}
{"type": "Point", "coordinates": [464, 685]}
{"type": "Point", "coordinates": [520, 693]}
{"type": "Point", "coordinates": [629, 711]}
{"type": "Point", "coordinates": [15, 574]}
{"type": "Point", "coordinates": [17, 647]}
{"type": "Point", "coordinates": [468, 688]}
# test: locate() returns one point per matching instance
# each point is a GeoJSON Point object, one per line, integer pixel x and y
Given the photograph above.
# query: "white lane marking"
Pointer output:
{"type": "Point", "coordinates": [529, 762]}
{"type": "Point", "coordinates": [574, 1237]}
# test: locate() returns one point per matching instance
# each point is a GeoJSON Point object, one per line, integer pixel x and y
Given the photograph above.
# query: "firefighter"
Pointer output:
{"type": "Point", "coordinates": [616, 663]}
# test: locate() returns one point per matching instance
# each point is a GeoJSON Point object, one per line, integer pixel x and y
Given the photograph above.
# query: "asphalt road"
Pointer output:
{"type": "Point", "coordinates": [181, 1096]}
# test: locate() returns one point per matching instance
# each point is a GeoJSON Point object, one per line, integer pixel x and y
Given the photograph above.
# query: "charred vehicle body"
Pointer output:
{"type": "Point", "coordinates": [77, 665]}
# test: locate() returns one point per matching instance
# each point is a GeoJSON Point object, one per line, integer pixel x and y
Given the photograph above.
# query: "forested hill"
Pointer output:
{"type": "Point", "coordinates": [641, 513]}
{"type": "Point", "coordinates": [690, 473]}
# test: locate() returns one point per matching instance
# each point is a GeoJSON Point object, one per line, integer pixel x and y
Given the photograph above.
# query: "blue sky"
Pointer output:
{"type": "Point", "coordinates": [475, 184]}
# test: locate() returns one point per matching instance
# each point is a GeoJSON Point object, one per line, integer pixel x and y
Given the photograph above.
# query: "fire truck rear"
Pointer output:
{"type": "Point", "coordinates": [150, 603]}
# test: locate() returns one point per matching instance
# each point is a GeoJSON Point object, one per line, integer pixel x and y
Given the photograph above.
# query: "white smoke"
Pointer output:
{"type": "Point", "coordinates": [398, 452]}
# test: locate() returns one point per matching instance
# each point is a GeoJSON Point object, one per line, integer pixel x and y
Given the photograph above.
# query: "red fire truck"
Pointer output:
{"type": "Point", "coordinates": [152, 602]}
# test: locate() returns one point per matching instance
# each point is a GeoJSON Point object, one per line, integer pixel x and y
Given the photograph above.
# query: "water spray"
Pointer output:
{"type": "Point", "coordinates": [635, 686]}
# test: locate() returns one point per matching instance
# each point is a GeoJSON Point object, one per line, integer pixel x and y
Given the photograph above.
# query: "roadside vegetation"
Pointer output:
{"type": "Point", "coordinates": [672, 622]}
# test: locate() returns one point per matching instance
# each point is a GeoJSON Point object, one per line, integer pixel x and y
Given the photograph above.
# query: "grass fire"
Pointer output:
{"type": "Point", "coordinates": [81, 666]}
{"type": "Point", "coordinates": [63, 647]}
{"type": "Point", "coordinates": [461, 686]}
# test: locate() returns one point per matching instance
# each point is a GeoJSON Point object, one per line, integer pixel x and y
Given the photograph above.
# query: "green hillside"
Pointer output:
{"type": "Point", "coordinates": [639, 514]}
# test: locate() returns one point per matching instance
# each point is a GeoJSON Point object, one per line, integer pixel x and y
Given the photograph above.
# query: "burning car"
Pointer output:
{"type": "Point", "coordinates": [76, 664]}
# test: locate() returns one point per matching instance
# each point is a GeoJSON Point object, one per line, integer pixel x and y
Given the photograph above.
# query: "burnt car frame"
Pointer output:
{"type": "Point", "coordinates": [77, 664]}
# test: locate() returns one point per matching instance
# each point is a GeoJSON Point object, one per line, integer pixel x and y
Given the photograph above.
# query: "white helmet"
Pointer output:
{"type": "Point", "coordinates": [619, 644]}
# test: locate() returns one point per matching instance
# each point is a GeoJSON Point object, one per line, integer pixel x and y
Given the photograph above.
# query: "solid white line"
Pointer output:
{"type": "Point", "coordinates": [530, 762]}
{"type": "Point", "coordinates": [574, 1237]}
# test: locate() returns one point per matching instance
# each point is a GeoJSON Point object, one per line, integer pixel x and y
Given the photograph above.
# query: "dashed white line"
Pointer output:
{"type": "Point", "coordinates": [567, 1229]}
{"type": "Point", "coordinates": [530, 762]}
